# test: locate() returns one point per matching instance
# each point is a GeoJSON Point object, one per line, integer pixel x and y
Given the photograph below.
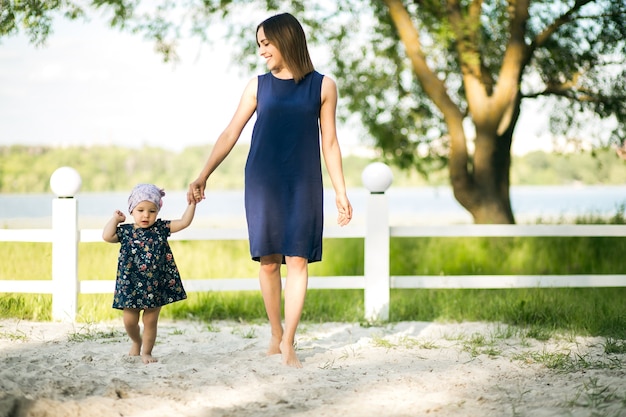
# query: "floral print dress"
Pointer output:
{"type": "Point", "coordinates": [147, 276]}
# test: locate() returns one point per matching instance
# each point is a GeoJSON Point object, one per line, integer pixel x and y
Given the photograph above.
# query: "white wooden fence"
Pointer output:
{"type": "Point", "coordinates": [376, 281]}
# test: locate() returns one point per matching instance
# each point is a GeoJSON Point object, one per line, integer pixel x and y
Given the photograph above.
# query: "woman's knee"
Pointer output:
{"type": "Point", "coordinates": [271, 263]}
{"type": "Point", "coordinates": [296, 263]}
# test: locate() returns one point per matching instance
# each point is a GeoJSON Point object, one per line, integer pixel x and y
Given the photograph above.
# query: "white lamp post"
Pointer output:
{"type": "Point", "coordinates": [377, 177]}
{"type": "Point", "coordinates": [65, 183]}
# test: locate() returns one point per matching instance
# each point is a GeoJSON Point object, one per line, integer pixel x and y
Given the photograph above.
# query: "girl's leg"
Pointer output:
{"type": "Point", "coordinates": [295, 292]}
{"type": "Point", "coordinates": [271, 288]}
{"type": "Point", "coordinates": [150, 321]}
{"type": "Point", "coordinates": [131, 324]}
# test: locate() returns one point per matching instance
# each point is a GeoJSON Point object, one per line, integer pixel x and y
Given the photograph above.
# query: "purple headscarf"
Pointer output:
{"type": "Point", "coordinates": [145, 192]}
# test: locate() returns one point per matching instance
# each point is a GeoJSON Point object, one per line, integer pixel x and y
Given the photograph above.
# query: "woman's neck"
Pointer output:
{"type": "Point", "coordinates": [282, 73]}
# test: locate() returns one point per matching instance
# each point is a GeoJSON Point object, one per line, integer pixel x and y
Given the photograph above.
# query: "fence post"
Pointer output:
{"type": "Point", "coordinates": [377, 177]}
{"type": "Point", "coordinates": [65, 183]}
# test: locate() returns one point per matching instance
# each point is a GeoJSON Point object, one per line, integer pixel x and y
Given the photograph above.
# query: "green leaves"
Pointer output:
{"type": "Point", "coordinates": [411, 96]}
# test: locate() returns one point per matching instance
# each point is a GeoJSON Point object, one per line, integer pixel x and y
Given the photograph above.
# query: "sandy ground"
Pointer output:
{"type": "Point", "coordinates": [220, 369]}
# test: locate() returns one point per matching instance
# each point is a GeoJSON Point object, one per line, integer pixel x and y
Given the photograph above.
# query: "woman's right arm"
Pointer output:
{"type": "Point", "coordinates": [226, 140]}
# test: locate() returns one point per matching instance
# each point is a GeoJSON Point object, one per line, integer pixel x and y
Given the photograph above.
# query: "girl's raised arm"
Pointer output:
{"type": "Point", "coordinates": [109, 233]}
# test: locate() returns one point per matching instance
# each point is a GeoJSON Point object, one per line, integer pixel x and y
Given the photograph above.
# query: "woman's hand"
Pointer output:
{"type": "Point", "coordinates": [344, 208]}
{"type": "Point", "coordinates": [195, 194]}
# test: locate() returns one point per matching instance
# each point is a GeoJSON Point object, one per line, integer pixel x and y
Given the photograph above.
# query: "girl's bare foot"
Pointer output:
{"type": "Point", "coordinates": [289, 355]}
{"type": "Point", "coordinates": [135, 349]}
{"type": "Point", "coordinates": [148, 359]}
{"type": "Point", "coordinates": [274, 347]}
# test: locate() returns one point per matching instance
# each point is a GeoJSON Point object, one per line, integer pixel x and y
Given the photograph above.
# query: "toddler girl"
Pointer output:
{"type": "Point", "coordinates": [147, 276]}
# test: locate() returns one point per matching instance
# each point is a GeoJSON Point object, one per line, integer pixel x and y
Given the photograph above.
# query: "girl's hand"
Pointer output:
{"type": "Point", "coordinates": [119, 216]}
{"type": "Point", "coordinates": [195, 193]}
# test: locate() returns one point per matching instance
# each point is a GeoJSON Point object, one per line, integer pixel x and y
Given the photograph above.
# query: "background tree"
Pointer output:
{"type": "Point", "coordinates": [433, 82]}
{"type": "Point", "coordinates": [453, 75]}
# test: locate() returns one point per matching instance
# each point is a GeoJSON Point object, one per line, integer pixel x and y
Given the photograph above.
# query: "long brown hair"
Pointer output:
{"type": "Point", "coordinates": [286, 33]}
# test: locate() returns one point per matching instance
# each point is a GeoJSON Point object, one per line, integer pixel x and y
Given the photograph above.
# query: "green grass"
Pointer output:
{"type": "Point", "coordinates": [541, 311]}
{"type": "Point", "coordinates": [586, 311]}
{"type": "Point", "coordinates": [507, 255]}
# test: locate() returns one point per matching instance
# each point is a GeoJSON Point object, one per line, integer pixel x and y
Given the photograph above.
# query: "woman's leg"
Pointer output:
{"type": "Point", "coordinates": [271, 288]}
{"type": "Point", "coordinates": [295, 292]}
{"type": "Point", "coordinates": [131, 324]}
{"type": "Point", "coordinates": [150, 321]}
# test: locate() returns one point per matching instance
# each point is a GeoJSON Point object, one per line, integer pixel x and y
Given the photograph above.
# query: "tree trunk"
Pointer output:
{"type": "Point", "coordinates": [486, 193]}
{"type": "Point", "coordinates": [488, 199]}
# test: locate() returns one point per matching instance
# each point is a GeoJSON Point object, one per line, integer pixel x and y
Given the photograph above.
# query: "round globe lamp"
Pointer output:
{"type": "Point", "coordinates": [377, 177]}
{"type": "Point", "coordinates": [65, 182]}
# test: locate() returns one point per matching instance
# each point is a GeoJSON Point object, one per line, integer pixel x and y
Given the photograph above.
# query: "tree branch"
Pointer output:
{"type": "Point", "coordinates": [513, 61]}
{"type": "Point", "coordinates": [433, 86]}
{"type": "Point", "coordinates": [466, 31]}
{"type": "Point", "coordinates": [565, 18]}
{"type": "Point", "coordinates": [435, 89]}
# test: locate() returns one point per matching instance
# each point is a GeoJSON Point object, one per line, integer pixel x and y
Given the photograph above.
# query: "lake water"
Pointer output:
{"type": "Point", "coordinates": [423, 205]}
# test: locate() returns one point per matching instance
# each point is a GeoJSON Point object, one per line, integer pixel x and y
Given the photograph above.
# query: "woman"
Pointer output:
{"type": "Point", "coordinates": [283, 179]}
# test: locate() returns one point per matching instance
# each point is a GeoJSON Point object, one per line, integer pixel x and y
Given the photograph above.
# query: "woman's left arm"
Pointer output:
{"type": "Point", "coordinates": [332, 151]}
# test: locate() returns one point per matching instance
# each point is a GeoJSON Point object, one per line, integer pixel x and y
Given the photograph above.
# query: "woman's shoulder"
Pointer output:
{"type": "Point", "coordinates": [251, 85]}
{"type": "Point", "coordinates": [261, 79]}
{"type": "Point", "coordinates": [322, 78]}
{"type": "Point", "coordinates": [328, 85]}
{"type": "Point", "coordinates": [316, 75]}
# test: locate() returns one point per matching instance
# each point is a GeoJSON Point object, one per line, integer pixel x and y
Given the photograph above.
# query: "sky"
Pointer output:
{"type": "Point", "coordinates": [93, 85]}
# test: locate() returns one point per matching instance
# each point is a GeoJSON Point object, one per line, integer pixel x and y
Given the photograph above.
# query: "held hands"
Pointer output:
{"type": "Point", "coordinates": [195, 193]}
{"type": "Point", "coordinates": [345, 210]}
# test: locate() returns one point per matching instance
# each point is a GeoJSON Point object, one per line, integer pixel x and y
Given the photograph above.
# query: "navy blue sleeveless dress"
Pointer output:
{"type": "Point", "coordinates": [283, 176]}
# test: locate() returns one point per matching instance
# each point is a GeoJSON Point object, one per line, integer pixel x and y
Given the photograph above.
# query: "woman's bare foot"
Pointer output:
{"type": "Point", "coordinates": [289, 355]}
{"type": "Point", "coordinates": [274, 347]}
{"type": "Point", "coordinates": [148, 359]}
